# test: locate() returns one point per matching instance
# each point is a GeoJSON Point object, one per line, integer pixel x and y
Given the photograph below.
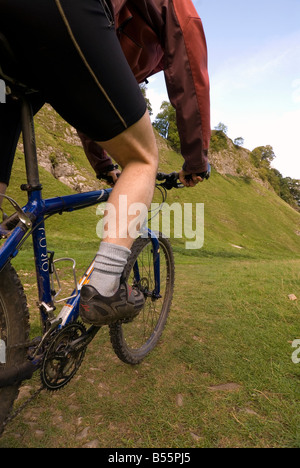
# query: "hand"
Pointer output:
{"type": "Point", "coordinates": [113, 175]}
{"type": "Point", "coordinates": [188, 179]}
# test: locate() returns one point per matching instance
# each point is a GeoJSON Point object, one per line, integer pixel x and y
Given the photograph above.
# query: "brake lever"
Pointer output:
{"type": "Point", "coordinates": [106, 177]}
{"type": "Point", "coordinates": [170, 181]}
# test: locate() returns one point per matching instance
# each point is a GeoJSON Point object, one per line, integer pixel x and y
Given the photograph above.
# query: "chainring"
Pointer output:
{"type": "Point", "coordinates": [61, 360]}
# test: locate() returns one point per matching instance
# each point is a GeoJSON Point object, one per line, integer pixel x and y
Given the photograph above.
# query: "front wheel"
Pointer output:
{"type": "Point", "coordinates": [14, 331]}
{"type": "Point", "coordinates": [134, 340]}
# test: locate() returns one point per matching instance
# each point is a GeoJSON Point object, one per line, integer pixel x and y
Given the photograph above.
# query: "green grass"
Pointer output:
{"type": "Point", "coordinates": [222, 375]}
{"type": "Point", "coordinates": [231, 323]}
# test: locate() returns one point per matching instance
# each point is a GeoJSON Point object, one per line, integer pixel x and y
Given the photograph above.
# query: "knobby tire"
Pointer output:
{"type": "Point", "coordinates": [14, 333]}
{"type": "Point", "coordinates": [133, 341]}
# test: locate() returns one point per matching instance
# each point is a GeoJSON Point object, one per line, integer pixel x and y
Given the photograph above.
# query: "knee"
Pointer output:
{"type": "Point", "coordinates": [152, 157]}
{"type": "Point", "coordinates": [143, 162]}
{"type": "Point", "coordinates": [146, 145]}
{"type": "Point", "coordinates": [137, 144]}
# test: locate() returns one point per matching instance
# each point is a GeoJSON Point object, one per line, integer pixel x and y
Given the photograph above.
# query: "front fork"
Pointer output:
{"type": "Point", "coordinates": [155, 294]}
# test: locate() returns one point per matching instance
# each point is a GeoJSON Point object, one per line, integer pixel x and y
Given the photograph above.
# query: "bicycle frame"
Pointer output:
{"type": "Point", "coordinates": [32, 222]}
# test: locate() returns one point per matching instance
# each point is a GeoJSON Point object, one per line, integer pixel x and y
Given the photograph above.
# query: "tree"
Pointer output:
{"type": "Point", "coordinates": [239, 141]}
{"type": "Point", "coordinates": [267, 153]}
{"type": "Point", "coordinates": [262, 156]}
{"type": "Point", "coordinates": [294, 187]}
{"type": "Point", "coordinates": [221, 128]}
{"type": "Point", "coordinates": [165, 124]}
{"type": "Point", "coordinates": [286, 192]}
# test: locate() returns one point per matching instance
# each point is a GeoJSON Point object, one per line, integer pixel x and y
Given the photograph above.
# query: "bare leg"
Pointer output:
{"type": "Point", "coordinates": [135, 150]}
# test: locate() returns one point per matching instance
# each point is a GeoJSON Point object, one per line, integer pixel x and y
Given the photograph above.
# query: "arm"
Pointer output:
{"type": "Point", "coordinates": [187, 81]}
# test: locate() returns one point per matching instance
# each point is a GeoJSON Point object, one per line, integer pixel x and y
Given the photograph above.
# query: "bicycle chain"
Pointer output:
{"type": "Point", "coordinates": [22, 407]}
{"type": "Point", "coordinates": [28, 344]}
{"type": "Point", "coordinates": [35, 394]}
{"type": "Point", "coordinates": [16, 413]}
{"type": "Point", "coordinates": [19, 410]}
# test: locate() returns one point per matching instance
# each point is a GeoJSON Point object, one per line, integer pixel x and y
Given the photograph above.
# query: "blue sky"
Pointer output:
{"type": "Point", "coordinates": [254, 66]}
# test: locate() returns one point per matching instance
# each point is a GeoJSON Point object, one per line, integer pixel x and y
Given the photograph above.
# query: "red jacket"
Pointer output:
{"type": "Point", "coordinates": [167, 35]}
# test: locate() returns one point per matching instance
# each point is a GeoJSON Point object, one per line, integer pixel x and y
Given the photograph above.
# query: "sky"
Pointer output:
{"type": "Point", "coordinates": [254, 68]}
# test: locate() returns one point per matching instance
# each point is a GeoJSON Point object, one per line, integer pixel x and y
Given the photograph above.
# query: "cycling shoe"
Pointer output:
{"type": "Point", "coordinates": [99, 310]}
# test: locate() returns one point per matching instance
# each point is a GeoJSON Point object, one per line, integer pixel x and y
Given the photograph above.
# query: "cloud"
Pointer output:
{"type": "Point", "coordinates": [296, 93]}
{"type": "Point", "coordinates": [273, 61]}
{"type": "Point", "coordinates": [285, 136]}
{"type": "Point", "coordinates": [258, 98]}
{"type": "Point", "coordinates": [280, 130]}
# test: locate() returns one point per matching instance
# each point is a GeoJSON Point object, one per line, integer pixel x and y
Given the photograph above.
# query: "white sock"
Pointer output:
{"type": "Point", "coordinates": [109, 265]}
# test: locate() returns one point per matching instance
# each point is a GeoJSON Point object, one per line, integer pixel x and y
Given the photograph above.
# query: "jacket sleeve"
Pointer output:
{"type": "Point", "coordinates": [187, 81]}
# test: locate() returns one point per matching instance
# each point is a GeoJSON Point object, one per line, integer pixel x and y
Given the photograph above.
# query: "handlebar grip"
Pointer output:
{"type": "Point", "coordinates": [169, 180]}
{"type": "Point", "coordinates": [204, 175]}
{"type": "Point", "coordinates": [162, 176]}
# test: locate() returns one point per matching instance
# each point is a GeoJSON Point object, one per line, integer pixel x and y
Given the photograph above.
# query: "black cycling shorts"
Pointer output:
{"type": "Point", "coordinates": [69, 51]}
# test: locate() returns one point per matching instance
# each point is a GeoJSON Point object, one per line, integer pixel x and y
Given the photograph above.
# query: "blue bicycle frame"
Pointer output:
{"type": "Point", "coordinates": [37, 210]}
{"type": "Point", "coordinates": [32, 222]}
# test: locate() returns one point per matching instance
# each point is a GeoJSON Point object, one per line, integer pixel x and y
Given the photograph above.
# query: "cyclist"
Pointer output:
{"type": "Point", "coordinates": [167, 38]}
{"type": "Point", "coordinates": [70, 52]}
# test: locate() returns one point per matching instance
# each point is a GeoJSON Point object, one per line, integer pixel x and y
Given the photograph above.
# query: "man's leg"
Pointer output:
{"type": "Point", "coordinates": [136, 152]}
{"type": "Point", "coordinates": [105, 299]}
{"type": "Point", "coordinates": [76, 62]}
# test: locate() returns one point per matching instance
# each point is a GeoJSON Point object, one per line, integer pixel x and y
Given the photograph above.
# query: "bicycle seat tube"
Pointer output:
{"type": "Point", "coordinates": [34, 188]}
{"type": "Point", "coordinates": [30, 151]}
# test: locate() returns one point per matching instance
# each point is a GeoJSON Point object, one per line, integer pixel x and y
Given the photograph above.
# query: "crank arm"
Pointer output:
{"type": "Point", "coordinates": [83, 341]}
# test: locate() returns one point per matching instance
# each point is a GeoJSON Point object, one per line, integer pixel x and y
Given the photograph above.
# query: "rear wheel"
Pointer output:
{"type": "Point", "coordinates": [134, 340]}
{"type": "Point", "coordinates": [14, 331]}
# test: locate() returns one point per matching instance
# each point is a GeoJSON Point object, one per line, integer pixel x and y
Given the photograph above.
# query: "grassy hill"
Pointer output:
{"type": "Point", "coordinates": [239, 211]}
{"type": "Point", "coordinates": [242, 213]}
{"type": "Point", "coordinates": [222, 375]}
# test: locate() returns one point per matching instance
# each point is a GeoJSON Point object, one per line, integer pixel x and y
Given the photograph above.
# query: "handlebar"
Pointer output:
{"type": "Point", "coordinates": [171, 180]}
